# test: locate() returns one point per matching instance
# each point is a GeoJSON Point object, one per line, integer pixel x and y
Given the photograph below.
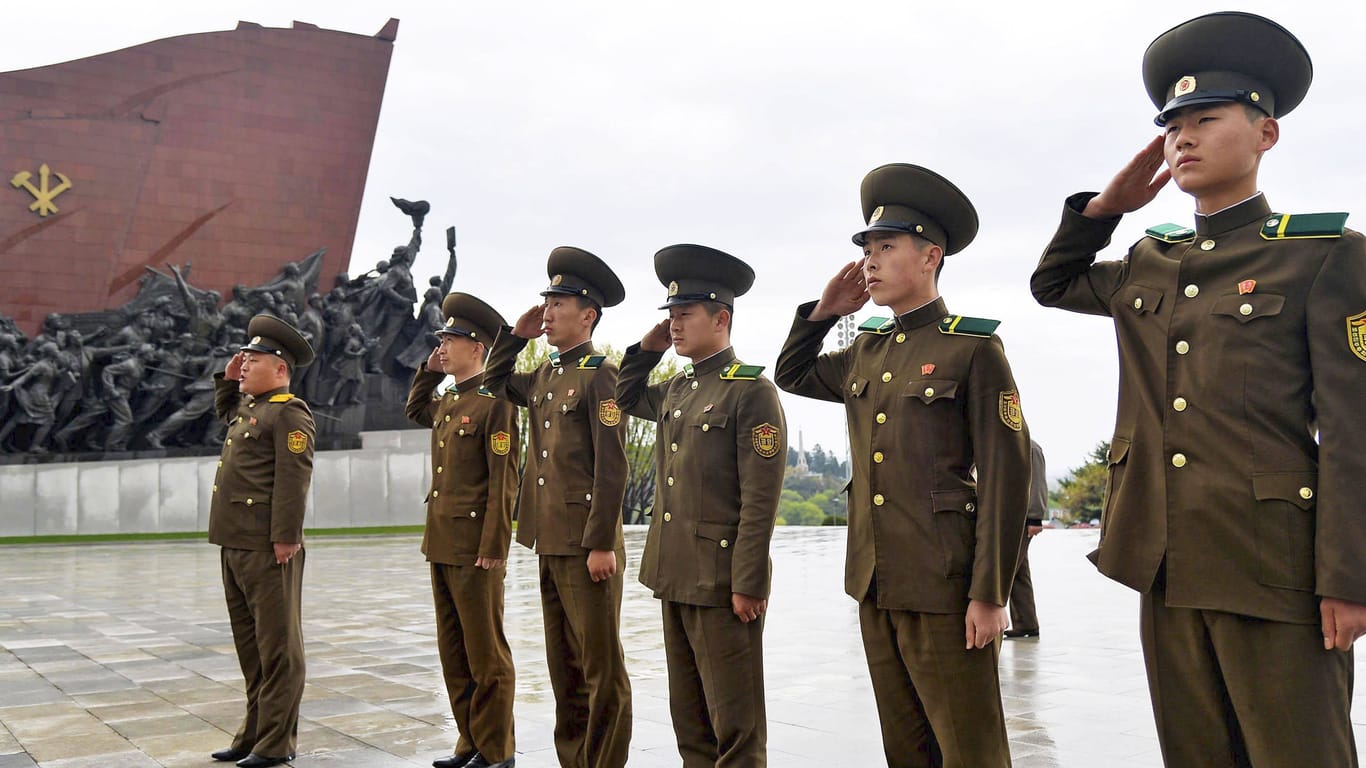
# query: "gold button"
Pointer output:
{"type": "Point", "coordinates": [547, 423]}
{"type": "Point", "coordinates": [1178, 460]}
{"type": "Point", "coordinates": [251, 405]}
{"type": "Point", "coordinates": [969, 507]}
{"type": "Point", "coordinates": [564, 408]}
{"type": "Point", "coordinates": [673, 447]}
{"type": "Point", "coordinates": [588, 497]}
{"type": "Point", "coordinates": [1306, 493]}
{"type": "Point", "coordinates": [724, 543]}
{"type": "Point", "coordinates": [900, 337]}
{"type": "Point", "coordinates": [706, 427]}
{"type": "Point", "coordinates": [550, 396]}
{"type": "Point", "coordinates": [540, 481]}
{"type": "Point", "coordinates": [230, 441]}
{"type": "Point", "coordinates": [473, 513]}
{"type": "Point", "coordinates": [1208, 245]}
{"type": "Point", "coordinates": [853, 386]}
{"type": "Point", "coordinates": [694, 385]}
{"type": "Point", "coordinates": [440, 443]}
{"type": "Point", "coordinates": [215, 488]}
{"type": "Point", "coordinates": [882, 418]}
{"type": "Point", "coordinates": [1138, 303]}
{"type": "Point", "coordinates": [668, 517]}
{"type": "Point", "coordinates": [1245, 310]}
{"type": "Point", "coordinates": [559, 371]}
{"type": "Point", "coordinates": [1192, 291]}
{"type": "Point", "coordinates": [671, 481]}
{"type": "Point", "coordinates": [1179, 404]}
{"type": "Point", "coordinates": [246, 434]}
{"type": "Point", "coordinates": [877, 457]}
{"type": "Point", "coordinates": [544, 453]}
{"type": "Point", "coordinates": [436, 493]}
{"type": "Point", "coordinates": [462, 432]}
{"type": "Point", "coordinates": [439, 470]}
{"type": "Point", "coordinates": [1182, 347]}
{"type": "Point", "coordinates": [220, 463]}
{"type": "Point", "coordinates": [878, 500]}
{"type": "Point", "coordinates": [455, 397]}
{"type": "Point", "coordinates": [677, 414]}
{"type": "Point", "coordinates": [886, 375]}
{"type": "Point", "coordinates": [250, 502]}
{"type": "Point", "coordinates": [929, 391]}
{"type": "Point", "coordinates": [448, 418]}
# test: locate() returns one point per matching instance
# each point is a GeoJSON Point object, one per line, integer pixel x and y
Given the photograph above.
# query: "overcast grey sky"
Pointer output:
{"type": "Point", "coordinates": [623, 127]}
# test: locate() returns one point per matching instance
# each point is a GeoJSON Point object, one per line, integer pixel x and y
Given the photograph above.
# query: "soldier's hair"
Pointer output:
{"type": "Point", "coordinates": [712, 307]}
{"type": "Point", "coordinates": [1253, 113]}
{"type": "Point", "coordinates": [585, 303]}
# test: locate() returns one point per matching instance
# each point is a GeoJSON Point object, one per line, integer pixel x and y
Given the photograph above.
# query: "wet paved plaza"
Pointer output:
{"type": "Point", "coordinates": [120, 655]}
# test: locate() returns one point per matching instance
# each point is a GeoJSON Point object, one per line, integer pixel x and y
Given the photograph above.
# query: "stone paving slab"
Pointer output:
{"type": "Point", "coordinates": [120, 656]}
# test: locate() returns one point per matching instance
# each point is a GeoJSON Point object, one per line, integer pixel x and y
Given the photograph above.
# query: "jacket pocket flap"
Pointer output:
{"type": "Point", "coordinates": [856, 386]}
{"type": "Point", "coordinates": [710, 421]}
{"type": "Point", "coordinates": [567, 405]}
{"type": "Point", "coordinates": [1119, 448]}
{"type": "Point", "coordinates": [466, 430]}
{"type": "Point", "coordinates": [1250, 307]}
{"type": "Point", "coordinates": [929, 390]}
{"type": "Point", "coordinates": [963, 500]}
{"type": "Point", "coordinates": [250, 500]}
{"type": "Point", "coordinates": [1298, 488]}
{"type": "Point", "coordinates": [584, 497]}
{"type": "Point", "coordinates": [1141, 299]}
{"type": "Point", "coordinates": [722, 534]}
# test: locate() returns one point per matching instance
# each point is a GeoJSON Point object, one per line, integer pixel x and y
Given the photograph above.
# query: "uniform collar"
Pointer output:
{"type": "Point", "coordinates": [470, 384]}
{"type": "Point", "coordinates": [922, 315]}
{"type": "Point", "coordinates": [1232, 217]}
{"type": "Point", "coordinates": [572, 356]}
{"type": "Point", "coordinates": [715, 362]}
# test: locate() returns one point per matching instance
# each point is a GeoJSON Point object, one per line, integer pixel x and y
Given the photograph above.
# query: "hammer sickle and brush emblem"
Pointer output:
{"type": "Point", "coordinates": [44, 193]}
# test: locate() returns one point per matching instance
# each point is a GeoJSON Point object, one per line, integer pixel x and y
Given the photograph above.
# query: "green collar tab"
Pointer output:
{"type": "Point", "coordinates": [1171, 233]}
{"type": "Point", "coordinates": [590, 362]}
{"type": "Point", "coordinates": [958, 325]}
{"type": "Point", "coordinates": [879, 325]}
{"type": "Point", "coordinates": [1303, 226]}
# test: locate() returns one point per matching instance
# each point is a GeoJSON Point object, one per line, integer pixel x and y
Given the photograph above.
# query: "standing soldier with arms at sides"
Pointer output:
{"type": "Point", "coordinates": [570, 504]}
{"type": "Point", "coordinates": [257, 517]}
{"type": "Point", "coordinates": [719, 459]}
{"type": "Point", "coordinates": [929, 397]}
{"type": "Point", "coordinates": [1024, 615]}
{"type": "Point", "coordinates": [1238, 463]}
{"type": "Point", "coordinates": [469, 529]}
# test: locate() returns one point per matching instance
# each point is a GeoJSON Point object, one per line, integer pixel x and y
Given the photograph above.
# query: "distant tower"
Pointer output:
{"type": "Point", "coordinates": [802, 469]}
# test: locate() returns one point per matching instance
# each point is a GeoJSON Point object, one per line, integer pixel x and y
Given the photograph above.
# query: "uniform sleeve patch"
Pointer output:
{"type": "Point", "coordinates": [500, 442]}
{"type": "Point", "coordinates": [767, 440]}
{"type": "Point", "coordinates": [1356, 334]}
{"type": "Point", "coordinates": [1011, 414]}
{"type": "Point", "coordinates": [296, 441]}
{"type": "Point", "coordinates": [609, 413]}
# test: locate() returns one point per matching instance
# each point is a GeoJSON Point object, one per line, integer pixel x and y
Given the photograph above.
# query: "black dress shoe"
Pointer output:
{"type": "Point", "coordinates": [454, 761]}
{"type": "Point", "coordinates": [230, 755]}
{"type": "Point", "coordinates": [1011, 634]}
{"type": "Point", "coordinates": [256, 761]}
{"type": "Point", "coordinates": [480, 761]}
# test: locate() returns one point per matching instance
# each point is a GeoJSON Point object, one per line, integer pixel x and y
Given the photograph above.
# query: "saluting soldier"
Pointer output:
{"type": "Point", "coordinates": [929, 397]}
{"type": "Point", "coordinates": [573, 485]}
{"type": "Point", "coordinates": [1238, 462]}
{"type": "Point", "coordinates": [469, 529]}
{"type": "Point", "coordinates": [257, 517]}
{"type": "Point", "coordinates": [719, 462]}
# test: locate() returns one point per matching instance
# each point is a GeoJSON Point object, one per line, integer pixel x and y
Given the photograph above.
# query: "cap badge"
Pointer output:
{"type": "Point", "coordinates": [1246, 287]}
{"type": "Point", "coordinates": [557, 279]}
{"type": "Point", "coordinates": [450, 321]}
{"type": "Point", "coordinates": [673, 287]}
{"type": "Point", "coordinates": [1184, 86]}
{"type": "Point", "coordinates": [877, 214]}
{"type": "Point", "coordinates": [255, 339]}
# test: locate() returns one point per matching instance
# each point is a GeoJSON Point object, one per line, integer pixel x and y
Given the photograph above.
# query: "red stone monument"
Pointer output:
{"type": "Point", "coordinates": [237, 151]}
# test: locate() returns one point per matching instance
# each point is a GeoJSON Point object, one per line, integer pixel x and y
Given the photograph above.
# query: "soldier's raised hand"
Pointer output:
{"type": "Point", "coordinates": [233, 370]}
{"type": "Point", "coordinates": [658, 338]}
{"type": "Point", "coordinates": [845, 294]}
{"type": "Point", "coordinates": [434, 361]}
{"type": "Point", "coordinates": [532, 323]}
{"type": "Point", "coordinates": [1134, 186]}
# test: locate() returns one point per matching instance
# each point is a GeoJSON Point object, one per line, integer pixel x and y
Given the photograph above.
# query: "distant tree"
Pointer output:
{"type": "Point", "coordinates": [1081, 494]}
{"type": "Point", "coordinates": [791, 456]}
{"type": "Point", "coordinates": [799, 513]}
{"type": "Point", "coordinates": [815, 460]}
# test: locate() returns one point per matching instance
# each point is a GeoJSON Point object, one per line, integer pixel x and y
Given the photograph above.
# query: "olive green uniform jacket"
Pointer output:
{"type": "Point", "coordinates": [1236, 347]}
{"type": "Point", "coordinates": [720, 454]}
{"type": "Point", "coordinates": [474, 469]}
{"type": "Point", "coordinates": [261, 489]}
{"type": "Point", "coordinates": [924, 408]}
{"type": "Point", "coordinates": [575, 476]}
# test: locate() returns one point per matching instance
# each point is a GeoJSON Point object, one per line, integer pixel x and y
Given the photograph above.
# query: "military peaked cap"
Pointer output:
{"type": "Point", "coordinates": [698, 273]}
{"type": "Point", "coordinates": [273, 336]}
{"type": "Point", "coordinates": [1223, 57]}
{"type": "Point", "coordinates": [901, 197]}
{"type": "Point", "coordinates": [576, 272]}
{"type": "Point", "coordinates": [470, 317]}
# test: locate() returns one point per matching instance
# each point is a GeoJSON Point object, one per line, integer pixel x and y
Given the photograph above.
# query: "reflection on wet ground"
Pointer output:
{"type": "Point", "coordinates": [121, 655]}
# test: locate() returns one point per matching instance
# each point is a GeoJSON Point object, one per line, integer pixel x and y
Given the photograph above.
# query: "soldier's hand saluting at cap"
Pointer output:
{"type": "Point", "coordinates": [845, 294]}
